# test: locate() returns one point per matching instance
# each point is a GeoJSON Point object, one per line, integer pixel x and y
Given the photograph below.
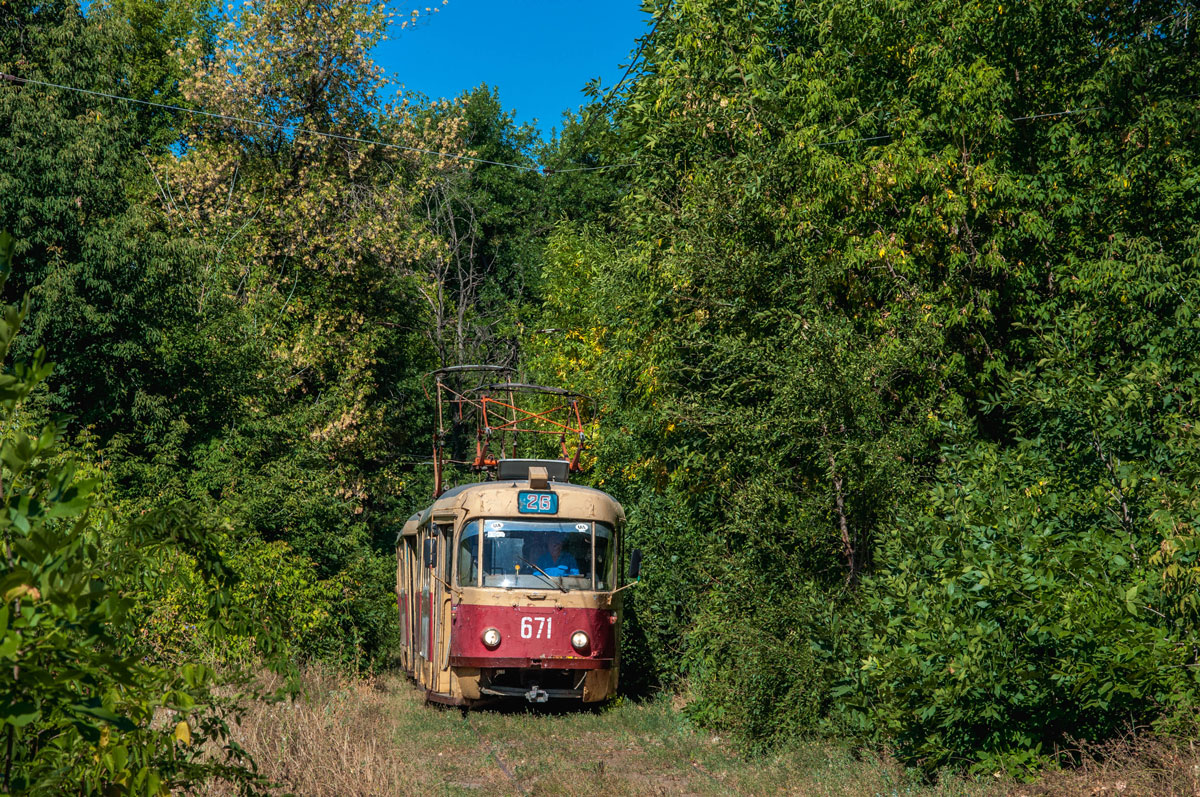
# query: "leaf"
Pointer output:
{"type": "Point", "coordinates": [20, 591]}
{"type": "Point", "coordinates": [19, 714]}
{"type": "Point", "coordinates": [6, 251]}
{"type": "Point", "coordinates": [98, 711]}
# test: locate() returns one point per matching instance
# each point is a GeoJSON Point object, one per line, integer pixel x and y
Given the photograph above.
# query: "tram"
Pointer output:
{"type": "Point", "coordinates": [509, 587]}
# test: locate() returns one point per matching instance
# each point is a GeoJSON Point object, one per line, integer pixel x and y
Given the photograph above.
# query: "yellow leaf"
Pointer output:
{"type": "Point", "coordinates": [183, 733]}
{"type": "Point", "coordinates": [21, 591]}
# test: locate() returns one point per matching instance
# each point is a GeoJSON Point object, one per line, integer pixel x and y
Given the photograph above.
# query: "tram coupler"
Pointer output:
{"type": "Point", "coordinates": [537, 695]}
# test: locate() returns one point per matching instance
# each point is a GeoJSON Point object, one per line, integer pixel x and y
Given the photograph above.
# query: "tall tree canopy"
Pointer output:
{"type": "Point", "coordinates": [882, 269]}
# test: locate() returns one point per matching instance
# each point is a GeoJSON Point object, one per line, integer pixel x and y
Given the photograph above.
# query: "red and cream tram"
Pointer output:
{"type": "Point", "coordinates": [510, 588]}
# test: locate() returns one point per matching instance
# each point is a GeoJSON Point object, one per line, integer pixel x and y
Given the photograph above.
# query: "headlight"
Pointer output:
{"type": "Point", "coordinates": [491, 638]}
{"type": "Point", "coordinates": [580, 641]}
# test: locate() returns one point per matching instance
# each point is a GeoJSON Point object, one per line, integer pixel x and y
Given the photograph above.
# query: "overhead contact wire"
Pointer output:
{"type": "Point", "coordinates": [263, 123]}
{"type": "Point", "coordinates": [611, 93]}
{"type": "Point", "coordinates": [452, 156]}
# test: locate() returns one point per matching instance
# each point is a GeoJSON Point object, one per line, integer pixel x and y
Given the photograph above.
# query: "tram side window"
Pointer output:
{"type": "Point", "coordinates": [401, 594]}
{"type": "Point", "coordinates": [445, 557]}
{"type": "Point", "coordinates": [423, 617]}
{"type": "Point", "coordinates": [412, 588]}
{"type": "Point", "coordinates": [605, 551]}
{"type": "Point", "coordinates": [468, 555]}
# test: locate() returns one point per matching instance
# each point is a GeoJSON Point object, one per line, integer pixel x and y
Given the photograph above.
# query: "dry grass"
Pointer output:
{"type": "Point", "coordinates": [1137, 765]}
{"type": "Point", "coordinates": [356, 736]}
{"type": "Point", "coordinates": [339, 740]}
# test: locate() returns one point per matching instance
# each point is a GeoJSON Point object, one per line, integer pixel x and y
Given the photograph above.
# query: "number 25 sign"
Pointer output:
{"type": "Point", "coordinates": [537, 503]}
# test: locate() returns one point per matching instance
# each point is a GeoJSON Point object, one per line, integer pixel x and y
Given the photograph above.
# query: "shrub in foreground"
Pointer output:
{"type": "Point", "coordinates": [80, 704]}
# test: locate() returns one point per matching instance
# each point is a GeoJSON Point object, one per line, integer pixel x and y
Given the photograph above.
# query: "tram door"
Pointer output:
{"type": "Point", "coordinates": [424, 635]}
{"type": "Point", "coordinates": [408, 561]}
{"type": "Point", "coordinates": [440, 659]}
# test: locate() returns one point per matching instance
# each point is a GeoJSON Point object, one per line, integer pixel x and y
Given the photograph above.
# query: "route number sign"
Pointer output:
{"type": "Point", "coordinates": [529, 503]}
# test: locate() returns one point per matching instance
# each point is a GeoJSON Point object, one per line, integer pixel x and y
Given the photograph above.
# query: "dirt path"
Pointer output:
{"type": "Point", "coordinates": [355, 737]}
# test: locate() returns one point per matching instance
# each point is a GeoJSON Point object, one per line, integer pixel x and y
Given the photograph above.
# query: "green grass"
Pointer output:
{"type": "Point", "coordinates": [352, 736]}
{"type": "Point", "coordinates": [625, 748]}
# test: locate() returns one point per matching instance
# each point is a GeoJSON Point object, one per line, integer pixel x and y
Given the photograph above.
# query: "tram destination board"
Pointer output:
{"type": "Point", "coordinates": [531, 503]}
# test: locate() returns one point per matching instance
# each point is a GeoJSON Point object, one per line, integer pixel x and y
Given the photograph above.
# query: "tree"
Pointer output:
{"type": "Point", "coordinates": [113, 281]}
{"type": "Point", "coordinates": [149, 32]}
{"type": "Point", "coordinates": [81, 703]}
{"type": "Point", "coordinates": [309, 287]}
{"type": "Point", "coordinates": [868, 252]}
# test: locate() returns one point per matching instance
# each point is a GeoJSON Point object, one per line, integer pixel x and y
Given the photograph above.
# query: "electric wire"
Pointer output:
{"type": "Point", "coordinates": [1028, 118]}
{"type": "Point", "coordinates": [1054, 113]}
{"type": "Point", "coordinates": [590, 168]}
{"type": "Point", "coordinates": [886, 136]}
{"type": "Point", "coordinates": [633, 62]}
{"type": "Point", "coordinates": [852, 140]}
{"type": "Point", "coordinates": [294, 129]}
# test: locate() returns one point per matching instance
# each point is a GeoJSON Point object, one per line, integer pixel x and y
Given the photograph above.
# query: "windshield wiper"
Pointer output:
{"type": "Point", "coordinates": [549, 578]}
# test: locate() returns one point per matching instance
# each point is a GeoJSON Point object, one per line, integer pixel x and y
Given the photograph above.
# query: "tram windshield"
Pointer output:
{"type": "Point", "coordinates": [536, 554]}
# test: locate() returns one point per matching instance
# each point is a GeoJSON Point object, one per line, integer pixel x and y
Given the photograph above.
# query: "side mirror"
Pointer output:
{"type": "Point", "coordinates": [430, 552]}
{"type": "Point", "coordinates": [635, 563]}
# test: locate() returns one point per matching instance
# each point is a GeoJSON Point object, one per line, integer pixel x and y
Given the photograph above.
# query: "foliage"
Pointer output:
{"type": "Point", "coordinates": [889, 310]}
{"type": "Point", "coordinates": [1026, 619]}
{"type": "Point", "coordinates": [82, 704]}
{"type": "Point", "coordinates": [1045, 593]}
{"type": "Point", "coordinates": [106, 274]}
{"type": "Point", "coordinates": [308, 287]}
{"type": "Point", "coordinates": [150, 32]}
{"type": "Point", "coordinates": [880, 267]}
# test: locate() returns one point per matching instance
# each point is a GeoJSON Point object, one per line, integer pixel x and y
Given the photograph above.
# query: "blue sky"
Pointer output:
{"type": "Point", "coordinates": [538, 53]}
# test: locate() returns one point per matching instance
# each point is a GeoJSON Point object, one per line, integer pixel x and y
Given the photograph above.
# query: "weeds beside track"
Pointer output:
{"type": "Point", "coordinates": [355, 736]}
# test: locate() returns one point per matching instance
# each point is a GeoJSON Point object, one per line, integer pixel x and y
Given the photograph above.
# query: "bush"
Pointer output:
{"type": "Point", "coordinates": [1016, 616]}
{"type": "Point", "coordinates": [84, 704]}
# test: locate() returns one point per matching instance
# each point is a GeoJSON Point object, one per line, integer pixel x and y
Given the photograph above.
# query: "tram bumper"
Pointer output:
{"type": "Point", "coordinates": [539, 686]}
{"type": "Point", "coordinates": [536, 680]}
{"type": "Point", "coordinates": [535, 694]}
{"type": "Point", "coordinates": [597, 685]}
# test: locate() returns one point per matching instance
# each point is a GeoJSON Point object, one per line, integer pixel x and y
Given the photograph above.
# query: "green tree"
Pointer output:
{"type": "Point", "coordinates": [861, 253]}
{"type": "Point", "coordinates": [316, 255]}
{"type": "Point", "coordinates": [112, 281]}
{"type": "Point", "coordinates": [81, 702]}
{"type": "Point", "coordinates": [149, 34]}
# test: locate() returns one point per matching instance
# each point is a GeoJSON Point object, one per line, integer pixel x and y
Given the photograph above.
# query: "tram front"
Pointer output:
{"type": "Point", "coordinates": [537, 609]}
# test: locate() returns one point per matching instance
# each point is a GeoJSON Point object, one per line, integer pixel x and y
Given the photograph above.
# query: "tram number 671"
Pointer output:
{"type": "Point", "coordinates": [543, 625]}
